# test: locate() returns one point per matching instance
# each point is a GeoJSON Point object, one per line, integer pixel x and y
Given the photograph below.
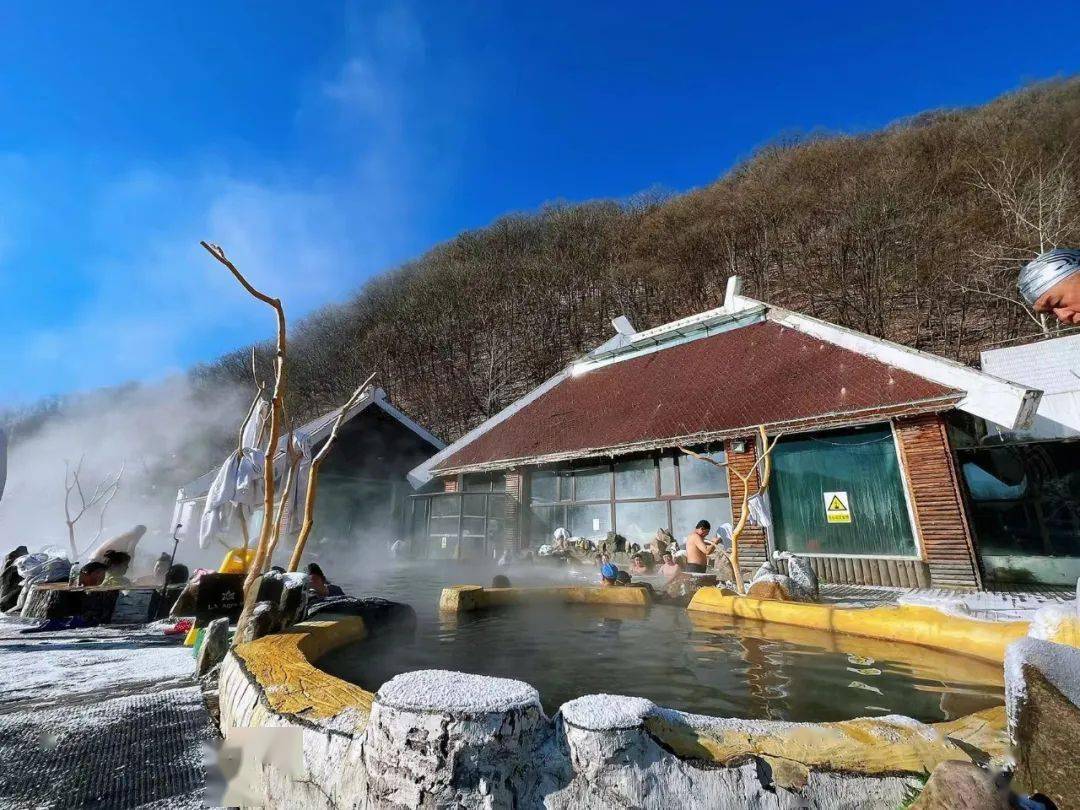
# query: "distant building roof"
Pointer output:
{"type": "Point", "coordinates": [319, 429]}
{"type": "Point", "coordinates": [707, 388]}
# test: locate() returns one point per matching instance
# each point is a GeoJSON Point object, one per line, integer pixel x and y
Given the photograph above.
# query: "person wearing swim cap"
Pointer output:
{"type": "Point", "coordinates": [609, 575]}
{"type": "Point", "coordinates": [1051, 283]}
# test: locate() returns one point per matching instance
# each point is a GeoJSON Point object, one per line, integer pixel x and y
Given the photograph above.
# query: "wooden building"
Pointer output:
{"type": "Point", "coordinates": [865, 479]}
{"type": "Point", "coordinates": [364, 494]}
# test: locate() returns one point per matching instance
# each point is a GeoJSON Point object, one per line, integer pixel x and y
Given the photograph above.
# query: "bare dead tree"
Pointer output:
{"type": "Point", "coordinates": [102, 494]}
{"type": "Point", "coordinates": [276, 400]}
{"type": "Point", "coordinates": [313, 475]}
{"type": "Point", "coordinates": [765, 463]}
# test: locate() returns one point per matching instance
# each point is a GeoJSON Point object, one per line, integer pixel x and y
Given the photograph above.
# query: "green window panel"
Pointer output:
{"type": "Point", "coordinates": [861, 463]}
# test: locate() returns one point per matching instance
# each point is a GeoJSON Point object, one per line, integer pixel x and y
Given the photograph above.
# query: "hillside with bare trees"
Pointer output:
{"type": "Point", "coordinates": [913, 233]}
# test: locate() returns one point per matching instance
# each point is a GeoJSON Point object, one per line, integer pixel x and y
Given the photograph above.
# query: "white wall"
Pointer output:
{"type": "Point", "coordinates": [1052, 366]}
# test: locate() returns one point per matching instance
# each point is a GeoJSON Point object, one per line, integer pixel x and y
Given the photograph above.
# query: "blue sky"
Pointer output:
{"type": "Point", "coordinates": [322, 142]}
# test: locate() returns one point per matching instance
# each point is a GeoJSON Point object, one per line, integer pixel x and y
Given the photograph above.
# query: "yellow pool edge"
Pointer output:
{"type": "Point", "coordinates": [910, 624]}
{"type": "Point", "coordinates": [281, 669]}
{"type": "Point", "coordinates": [467, 598]}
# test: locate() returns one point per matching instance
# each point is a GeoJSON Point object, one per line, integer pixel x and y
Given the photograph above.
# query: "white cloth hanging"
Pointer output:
{"type": "Point", "coordinates": [238, 483]}
{"type": "Point", "coordinates": [759, 511]}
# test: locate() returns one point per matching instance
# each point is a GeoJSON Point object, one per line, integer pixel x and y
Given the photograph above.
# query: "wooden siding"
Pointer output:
{"type": "Point", "coordinates": [885, 571]}
{"type": "Point", "coordinates": [940, 520]}
{"type": "Point", "coordinates": [513, 531]}
{"type": "Point", "coordinates": [753, 545]}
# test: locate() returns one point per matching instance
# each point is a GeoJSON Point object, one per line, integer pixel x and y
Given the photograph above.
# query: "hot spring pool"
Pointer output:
{"type": "Point", "coordinates": [691, 661]}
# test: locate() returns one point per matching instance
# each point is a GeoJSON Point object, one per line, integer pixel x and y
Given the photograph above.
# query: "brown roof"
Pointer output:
{"type": "Point", "coordinates": [763, 374]}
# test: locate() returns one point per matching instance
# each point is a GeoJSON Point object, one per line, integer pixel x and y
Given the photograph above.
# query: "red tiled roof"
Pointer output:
{"type": "Point", "coordinates": [761, 374]}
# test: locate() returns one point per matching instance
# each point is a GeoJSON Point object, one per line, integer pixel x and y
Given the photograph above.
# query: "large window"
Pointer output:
{"type": "Point", "coordinates": [634, 497]}
{"type": "Point", "coordinates": [859, 465]}
{"type": "Point", "coordinates": [1025, 499]}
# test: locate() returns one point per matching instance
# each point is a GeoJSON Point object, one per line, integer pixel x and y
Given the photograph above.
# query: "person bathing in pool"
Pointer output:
{"type": "Point", "coordinates": [698, 548]}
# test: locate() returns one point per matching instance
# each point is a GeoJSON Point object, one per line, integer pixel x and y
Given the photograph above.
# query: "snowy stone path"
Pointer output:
{"type": "Point", "coordinates": [102, 718]}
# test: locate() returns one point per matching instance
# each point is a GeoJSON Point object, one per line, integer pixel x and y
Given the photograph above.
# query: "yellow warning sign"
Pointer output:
{"type": "Point", "coordinates": [837, 507]}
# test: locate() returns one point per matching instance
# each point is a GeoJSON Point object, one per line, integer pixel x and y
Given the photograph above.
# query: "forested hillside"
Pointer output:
{"type": "Point", "coordinates": [913, 233]}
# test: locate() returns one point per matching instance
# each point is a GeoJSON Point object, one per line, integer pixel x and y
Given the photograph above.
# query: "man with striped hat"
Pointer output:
{"type": "Point", "coordinates": [1051, 283]}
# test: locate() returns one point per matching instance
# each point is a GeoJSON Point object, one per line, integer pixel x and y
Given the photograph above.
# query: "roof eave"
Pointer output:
{"type": "Point", "coordinates": [986, 396]}
{"type": "Point", "coordinates": [827, 421]}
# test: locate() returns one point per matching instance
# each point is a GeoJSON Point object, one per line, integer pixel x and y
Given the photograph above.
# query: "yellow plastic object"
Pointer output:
{"type": "Point", "coordinates": [466, 598]}
{"type": "Point", "coordinates": [189, 639]}
{"type": "Point", "coordinates": [907, 623]}
{"type": "Point", "coordinates": [237, 561]}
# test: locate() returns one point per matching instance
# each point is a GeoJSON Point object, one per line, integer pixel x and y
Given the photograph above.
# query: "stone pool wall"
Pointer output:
{"type": "Point", "coordinates": [433, 738]}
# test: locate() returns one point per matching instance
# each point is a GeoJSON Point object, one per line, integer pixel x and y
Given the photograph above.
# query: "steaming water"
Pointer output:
{"type": "Point", "coordinates": [689, 661]}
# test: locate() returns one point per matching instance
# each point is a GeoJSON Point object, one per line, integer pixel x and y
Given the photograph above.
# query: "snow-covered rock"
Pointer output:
{"type": "Point", "coordinates": [1042, 696]}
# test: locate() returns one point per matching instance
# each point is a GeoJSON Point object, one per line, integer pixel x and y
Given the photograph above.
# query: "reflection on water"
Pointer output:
{"type": "Point", "coordinates": [691, 661]}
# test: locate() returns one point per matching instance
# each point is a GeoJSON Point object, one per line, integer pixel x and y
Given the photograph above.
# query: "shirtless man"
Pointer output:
{"type": "Point", "coordinates": [698, 549]}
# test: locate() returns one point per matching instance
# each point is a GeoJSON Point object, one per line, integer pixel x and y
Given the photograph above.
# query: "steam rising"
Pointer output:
{"type": "Point", "coordinates": [166, 434]}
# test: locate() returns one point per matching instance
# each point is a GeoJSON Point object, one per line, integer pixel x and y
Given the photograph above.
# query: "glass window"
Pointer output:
{"type": "Point", "coordinates": [473, 526]}
{"type": "Point", "coordinates": [589, 520]}
{"type": "Point", "coordinates": [444, 505]}
{"type": "Point", "coordinates": [543, 487]}
{"type": "Point", "coordinates": [593, 484]}
{"type": "Point", "coordinates": [474, 505]}
{"type": "Point", "coordinates": [638, 522]}
{"type": "Point", "coordinates": [485, 482]}
{"type": "Point", "coordinates": [667, 475]}
{"type": "Point", "coordinates": [544, 520]}
{"type": "Point", "coordinates": [635, 479]}
{"type": "Point", "coordinates": [860, 462]}
{"type": "Point", "coordinates": [701, 477]}
{"type": "Point", "coordinates": [443, 526]}
{"type": "Point", "coordinates": [686, 514]}
{"type": "Point", "coordinates": [1024, 498]}
{"type": "Point", "coordinates": [566, 485]}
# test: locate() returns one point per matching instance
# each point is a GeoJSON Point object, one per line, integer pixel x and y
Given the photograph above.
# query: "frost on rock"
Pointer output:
{"type": "Point", "coordinates": [606, 712]}
{"type": "Point", "coordinates": [1050, 619]}
{"type": "Point", "coordinates": [1058, 663]}
{"type": "Point", "coordinates": [437, 690]}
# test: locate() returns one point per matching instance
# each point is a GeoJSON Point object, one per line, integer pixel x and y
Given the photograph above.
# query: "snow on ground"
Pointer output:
{"type": "Point", "coordinates": [45, 669]}
{"type": "Point", "coordinates": [102, 718]}
{"type": "Point", "coordinates": [988, 605]}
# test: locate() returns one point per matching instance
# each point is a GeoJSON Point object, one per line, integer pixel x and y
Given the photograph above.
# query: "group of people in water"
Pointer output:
{"type": "Point", "coordinates": [663, 548]}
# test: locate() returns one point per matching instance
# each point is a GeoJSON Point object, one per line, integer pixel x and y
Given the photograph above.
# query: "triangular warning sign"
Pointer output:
{"type": "Point", "coordinates": [836, 505]}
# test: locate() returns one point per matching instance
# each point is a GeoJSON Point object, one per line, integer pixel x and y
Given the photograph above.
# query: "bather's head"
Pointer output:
{"type": "Point", "coordinates": [702, 528]}
{"type": "Point", "coordinates": [92, 574]}
{"type": "Point", "coordinates": [1051, 283]}
{"type": "Point", "coordinates": [609, 575]}
{"type": "Point", "coordinates": [117, 562]}
{"type": "Point", "coordinates": [623, 578]}
{"type": "Point", "coordinates": [500, 581]}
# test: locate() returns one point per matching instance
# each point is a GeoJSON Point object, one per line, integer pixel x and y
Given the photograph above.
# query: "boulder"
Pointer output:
{"type": "Point", "coordinates": [956, 785]}
{"type": "Point", "coordinates": [1042, 693]}
{"type": "Point", "coordinates": [214, 646]}
{"type": "Point", "coordinates": [723, 569]}
{"type": "Point", "coordinates": [265, 619]}
{"type": "Point", "coordinates": [11, 579]}
{"type": "Point", "coordinates": [804, 580]}
{"type": "Point", "coordinates": [379, 615]}
{"type": "Point", "coordinates": [774, 586]}
{"type": "Point", "coordinates": [294, 599]}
